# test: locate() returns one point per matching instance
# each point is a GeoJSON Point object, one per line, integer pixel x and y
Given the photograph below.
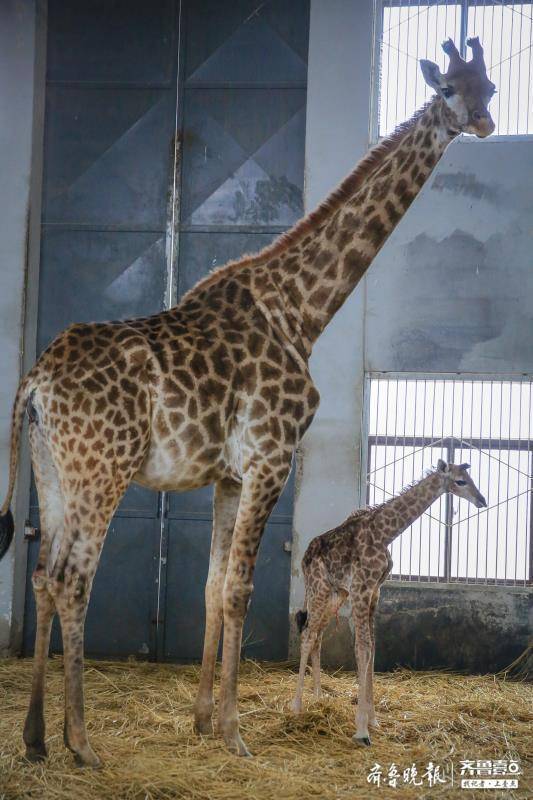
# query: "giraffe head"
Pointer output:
{"type": "Point", "coordinates": [465, 88]}
{"type": "Point", "coordinates": [456, 480]}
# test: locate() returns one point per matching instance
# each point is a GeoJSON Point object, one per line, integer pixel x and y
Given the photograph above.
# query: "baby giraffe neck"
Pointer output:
{"type": "Point", "coordinates": [396, 515]}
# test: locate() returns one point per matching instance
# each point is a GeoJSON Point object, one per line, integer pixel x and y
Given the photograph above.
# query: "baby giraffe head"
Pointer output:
{"type": "Point", "coordinates": [465, 88]}
{"type": "Point", "coordinates": [456, 480]}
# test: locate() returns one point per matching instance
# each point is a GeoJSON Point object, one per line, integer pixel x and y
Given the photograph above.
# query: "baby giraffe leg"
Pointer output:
{"type": "Point", "coordinates": [318, 614]}
{"type": "Point", "coordinates": [372, 720]}
{"type": "Point", "coordinates": [315, 665]}
{"type": "Point", "coordinates": [307, 643]}
{"type": "Point", "coordinates": [363, 653]}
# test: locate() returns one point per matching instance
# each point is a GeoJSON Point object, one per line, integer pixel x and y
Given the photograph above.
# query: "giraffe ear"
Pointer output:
{"type": "Point", "coordinates": [432, 74]}
{"type": "Point", "coordinates": [465, 466]}
{"type": "Point", "coordinates": [442, 466]}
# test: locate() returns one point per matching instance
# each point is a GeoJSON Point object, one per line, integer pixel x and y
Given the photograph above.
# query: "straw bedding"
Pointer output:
{"type": "Point", "coordinates": [139, 720]}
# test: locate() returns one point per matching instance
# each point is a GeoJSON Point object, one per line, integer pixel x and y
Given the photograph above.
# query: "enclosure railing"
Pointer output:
{"type": "Point", "coordinates": [414, 421]}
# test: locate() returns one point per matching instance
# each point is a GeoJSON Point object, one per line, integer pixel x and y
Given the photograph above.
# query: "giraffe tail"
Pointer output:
{"type": "Point", "coordinates": [301, 620]}
{"type": "Point", "coordinates": [7, 527]}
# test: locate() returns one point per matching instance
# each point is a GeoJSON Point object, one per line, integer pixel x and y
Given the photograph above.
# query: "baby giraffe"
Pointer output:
{"type": "Point", "coordinates": [353, 560]}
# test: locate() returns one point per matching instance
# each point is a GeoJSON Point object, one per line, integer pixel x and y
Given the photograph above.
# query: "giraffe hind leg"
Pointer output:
{"type": "Point", "coordinates": [51, 523]}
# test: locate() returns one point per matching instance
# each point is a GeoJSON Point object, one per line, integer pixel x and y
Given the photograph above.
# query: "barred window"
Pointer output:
{"type": "Point", "coordinates": [409, 30]}
{"type": "Point", "coordinates": [412, 422]}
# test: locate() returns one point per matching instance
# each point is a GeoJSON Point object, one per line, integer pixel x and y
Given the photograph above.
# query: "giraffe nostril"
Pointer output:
{"type": "Point", "coordinates": [477, 115]}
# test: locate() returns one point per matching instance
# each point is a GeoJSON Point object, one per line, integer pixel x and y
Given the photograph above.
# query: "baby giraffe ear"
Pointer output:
{"type": "Point", "coordinates": [465, 466]}
{"type": "Point", "coordinates": [442, 466]}
{"type": "Point", "coordinates": [432, 74]}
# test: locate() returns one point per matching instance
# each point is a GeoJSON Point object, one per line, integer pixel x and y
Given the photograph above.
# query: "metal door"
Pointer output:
{"type": "Point", "coordinates": [131, 221]}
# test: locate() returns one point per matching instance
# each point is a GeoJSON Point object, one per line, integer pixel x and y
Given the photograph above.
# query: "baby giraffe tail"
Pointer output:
{"type": "Point", "coordinates": [301, 620]}
{"type": "Point", "coordinates": [7, 526]}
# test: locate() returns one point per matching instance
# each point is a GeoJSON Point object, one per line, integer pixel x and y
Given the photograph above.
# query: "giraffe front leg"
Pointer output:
{"type": "Point", "coordinates": [226, 504]}
{"type": "Point", "coordinates": [34, 727]}
{"type": "Point", "coordinates": [260, 490]}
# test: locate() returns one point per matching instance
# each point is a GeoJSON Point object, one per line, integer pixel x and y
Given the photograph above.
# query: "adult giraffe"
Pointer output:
{"type": "Point", "coordinates": [216, 390]}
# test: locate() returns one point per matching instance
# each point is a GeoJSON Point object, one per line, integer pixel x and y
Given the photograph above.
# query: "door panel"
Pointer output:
{"type": "Point", "coordinates": [266, 629]}
{"type": "Point", "coordinates": [110, 130]}
{"type": "Point", "coordinates": [122, 608]}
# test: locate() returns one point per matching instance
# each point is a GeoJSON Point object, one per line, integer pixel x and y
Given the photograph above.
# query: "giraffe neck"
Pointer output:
{"type": "Point", "coordinates": [321, 266]}
{"type": "Point", "coordinates": [397, 514]}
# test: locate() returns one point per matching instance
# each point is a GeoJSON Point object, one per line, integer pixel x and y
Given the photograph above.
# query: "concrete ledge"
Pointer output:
{"type": "Point", "coordinates": [472, 628]}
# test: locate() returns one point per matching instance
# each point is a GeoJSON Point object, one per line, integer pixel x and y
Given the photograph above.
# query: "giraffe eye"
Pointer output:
{"type": "Point", "coordinates": [448, 91]}
{"type": "Point", "coordinates": [460, 483]}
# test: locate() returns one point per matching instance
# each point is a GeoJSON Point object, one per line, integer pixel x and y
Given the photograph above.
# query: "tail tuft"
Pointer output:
{"type": "Point", "coordinates": [301, 620]}
{"type": "Point", "coordinates": [7, 528]}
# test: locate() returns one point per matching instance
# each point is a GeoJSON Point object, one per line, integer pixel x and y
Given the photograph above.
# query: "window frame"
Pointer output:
{"type": "Point", "coordinates": [449, 444]}
{"type": "Point", "coordinates": [375, 72]}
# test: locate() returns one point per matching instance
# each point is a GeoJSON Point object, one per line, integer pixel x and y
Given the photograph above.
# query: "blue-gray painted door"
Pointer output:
{"type": "Point", "coordinates": [107, 223]}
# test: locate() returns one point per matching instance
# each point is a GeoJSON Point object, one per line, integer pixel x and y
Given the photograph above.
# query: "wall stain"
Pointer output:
{"type": "Point", "coordinates": [466, 183]}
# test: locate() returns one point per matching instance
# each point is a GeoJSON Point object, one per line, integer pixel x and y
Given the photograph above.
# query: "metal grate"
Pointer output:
{"type": "Point", "coordinates": [409, 30]}
{"type": "Point", "coordinates": [489, 423]}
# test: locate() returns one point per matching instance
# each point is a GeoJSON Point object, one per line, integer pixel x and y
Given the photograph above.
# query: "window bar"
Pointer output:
{"type": "Point", "coordinates": [463, 28]}
{"type": "Point", "coordinates": [449, 520]}
{"type": "Point", "coordinates": [481, 405]}
{"type": "Point", "coordinates": [529, 497]}
{"type": "Point", "coordinates": [467, 567]}
{"type": "Point", "coordinates": [501, 65]}
{"type": "Point", "coordinates": [403, 445]}
{"type": "Point", "coordinates": [508, 476]}
{"type": "Point", "coordinates": [447, 527]}
{"type": "Point", "coordinates": [517, 517]}
{"type": "Point", "coordinates": [420, 518]}
{"type": "Point", "coordinates": [529, 73]}
{"type": "Point", "coordinates": [432, 439]}
{"type": "Point", "coordinates": [499, 479]}
{"type": "Point", "coordinates": [488, 483]}
{"type": "Point", "coordinates": [406, 60]}
{"type": "Point", "coordinates": [393, 487]}
{"type": "Point", "coordinates": [398, 66]}
{"type": "Point", "coordinates": [519, 83]}
{"type": "Point", "coordinates": [462, 436]}
{"type": "Point", "coordinates": [412, 480]}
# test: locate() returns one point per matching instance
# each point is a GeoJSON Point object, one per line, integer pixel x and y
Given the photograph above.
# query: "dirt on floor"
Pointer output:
{"type": "Point", "coordinates": [139, 721]}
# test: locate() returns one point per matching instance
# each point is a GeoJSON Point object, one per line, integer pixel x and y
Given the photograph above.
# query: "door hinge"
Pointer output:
{"type": "Point", "coordinates": [31, 533]}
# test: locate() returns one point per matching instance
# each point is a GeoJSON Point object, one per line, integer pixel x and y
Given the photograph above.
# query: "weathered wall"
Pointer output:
{"type": "Point", "coordinates": [452, 290]}
{"type": "Point", "coordinates": [17, 52]}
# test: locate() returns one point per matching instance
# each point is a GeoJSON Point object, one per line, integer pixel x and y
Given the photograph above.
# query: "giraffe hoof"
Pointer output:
{"type": "Point", "coordinates": [203, 726]}
{"type": "Point", "coordinates": [236, 745]}
{"type": "Point", "coordinates": [363, 741]}
{"type": "Point", "coordinates": [87, 759]}
{"type": "Point", "coordinates": [36, 752]}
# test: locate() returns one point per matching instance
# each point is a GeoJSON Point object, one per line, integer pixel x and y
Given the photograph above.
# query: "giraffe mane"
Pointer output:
{"type": "Point", "coordinates": [407, 488]}
{"type": "Point", "coordinates": [346, 189]}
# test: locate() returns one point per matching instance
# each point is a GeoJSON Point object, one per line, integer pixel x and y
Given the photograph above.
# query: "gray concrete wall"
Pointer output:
{"type": "Point", "coordinates": [17, 61]}
{"type": "Point", "coordinates": [451, 291]}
